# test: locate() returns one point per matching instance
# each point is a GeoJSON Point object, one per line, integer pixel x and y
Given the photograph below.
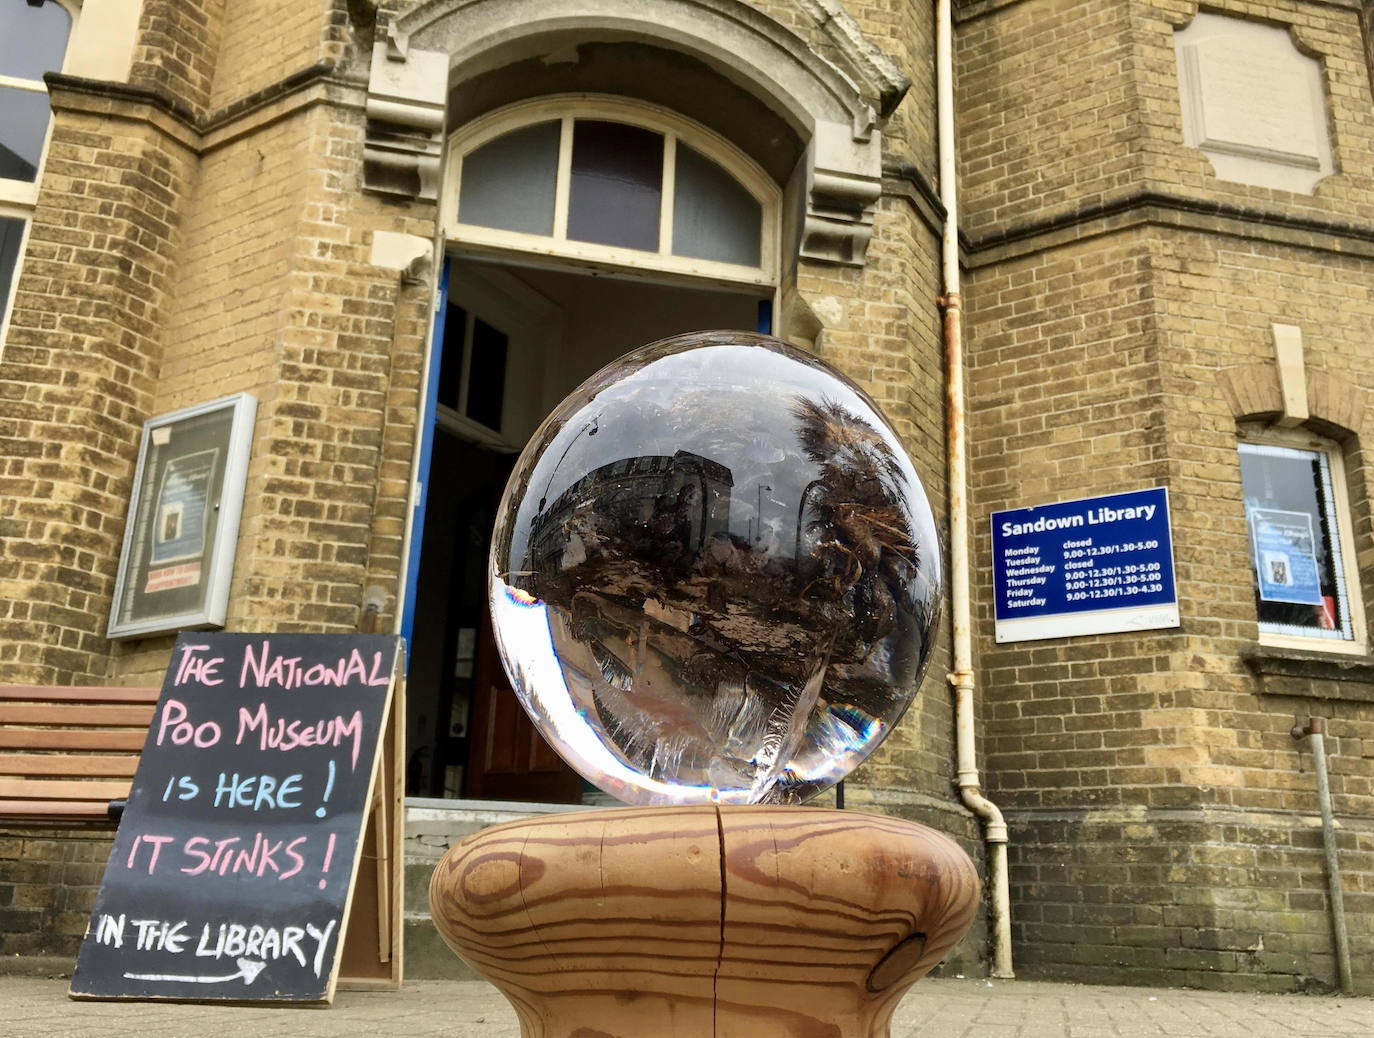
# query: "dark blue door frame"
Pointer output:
{"type": "Point", "coordinates": [429, 419]}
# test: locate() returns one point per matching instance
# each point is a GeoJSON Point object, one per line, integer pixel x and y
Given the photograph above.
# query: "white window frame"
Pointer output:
{"type": "Point", "coordinates": [569, 107]}
{"type": "Point", "coordinates": [19, 198]}
{"type": "Point", "coordinates": [1335, 460]}
{"type": "Point", "coordinates": [533, 327]}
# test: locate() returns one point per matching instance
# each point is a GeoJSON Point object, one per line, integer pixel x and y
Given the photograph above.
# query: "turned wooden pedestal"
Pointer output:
{"type": "Point", "coordinates": [704, 922]}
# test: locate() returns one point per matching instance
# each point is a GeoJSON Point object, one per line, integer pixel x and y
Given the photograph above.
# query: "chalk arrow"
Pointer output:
{"type": "Point", "coordinates": [248, 970]}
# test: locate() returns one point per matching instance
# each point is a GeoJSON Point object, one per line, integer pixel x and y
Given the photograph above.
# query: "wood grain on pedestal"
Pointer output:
{"type": "Point", "coordinates": [830, 916]}
{"type": "Point", "coordinates": [685, 922]}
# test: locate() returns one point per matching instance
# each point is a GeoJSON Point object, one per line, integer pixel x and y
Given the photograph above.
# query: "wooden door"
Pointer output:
{"type": "Point", "coordinates": [507, 757]}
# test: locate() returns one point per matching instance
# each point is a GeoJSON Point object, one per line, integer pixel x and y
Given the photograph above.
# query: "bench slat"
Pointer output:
{"type": "Point", "coordinates": [69, 764]}
{"type": "Point", "coordinates": [58, 809]}
{"type": "Point", "coordinates": [41, 780]}
{"type": "Point", "coordinates": [77, 694]}
{"type": "Point", "coordinates": [58, 789]}
{"type": "Point", "coordinates": [69, 739]}
{"type": "Point", "coordinates": [79, 716]}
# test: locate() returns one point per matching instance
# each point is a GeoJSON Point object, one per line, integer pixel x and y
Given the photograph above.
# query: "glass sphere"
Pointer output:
{"type": "Point", "coordinates": [715, 574]}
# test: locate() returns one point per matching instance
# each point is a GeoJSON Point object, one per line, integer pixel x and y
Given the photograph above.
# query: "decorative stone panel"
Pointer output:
{"type": "Point", "coordinates": [1253, 103]}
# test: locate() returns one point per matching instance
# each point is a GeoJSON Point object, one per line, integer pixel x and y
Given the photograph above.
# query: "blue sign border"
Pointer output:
{"type": "Point", "coordinates": [1087, 566]}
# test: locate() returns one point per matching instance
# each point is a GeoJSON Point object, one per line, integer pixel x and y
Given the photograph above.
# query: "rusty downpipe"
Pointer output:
{"type": "Point", "coordinates": [961, 678]}
{"type": "Point", "coordinates": [1315, 732]}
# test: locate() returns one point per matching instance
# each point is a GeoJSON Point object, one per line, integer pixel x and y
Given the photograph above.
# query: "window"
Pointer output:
{"type": "Point", "coordinates": [499, 341]}
{"type": "Point", "coordinates": [33, 40]}
{"type": "Point", "coordinates": [474, 355]}
{"type": "Point", "coordinates": [613, 183]}
{"type": "Point", "coordinates": [1307, 591]}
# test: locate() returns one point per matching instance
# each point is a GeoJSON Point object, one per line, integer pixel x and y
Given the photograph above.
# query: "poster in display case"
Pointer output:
{"type": "Point", "coordinates": [183, 522]}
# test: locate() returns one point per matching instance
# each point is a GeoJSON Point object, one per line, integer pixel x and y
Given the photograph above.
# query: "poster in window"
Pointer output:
{"type": "Point", "coordinates": [1285, 556]}
{"type": "Point", "coordinates": [179, 541]}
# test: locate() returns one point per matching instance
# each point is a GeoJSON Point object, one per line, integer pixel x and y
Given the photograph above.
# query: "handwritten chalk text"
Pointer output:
{"type": "Point", "coordinates": [281, 734]}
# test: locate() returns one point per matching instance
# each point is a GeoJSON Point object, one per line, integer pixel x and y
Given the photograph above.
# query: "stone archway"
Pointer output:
{"type": "Point", "coordinates": [837, 111]}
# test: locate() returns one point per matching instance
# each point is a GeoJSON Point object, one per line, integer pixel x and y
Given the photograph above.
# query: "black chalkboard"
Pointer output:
{"type": "Point", "coordinates": [232, 870]}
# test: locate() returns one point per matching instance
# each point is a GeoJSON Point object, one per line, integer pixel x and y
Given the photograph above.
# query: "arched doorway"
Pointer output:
{"type": "Point", "coordinates": [577, 227]}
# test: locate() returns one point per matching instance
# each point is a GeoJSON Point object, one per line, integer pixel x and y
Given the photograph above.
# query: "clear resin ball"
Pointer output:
{"type": "Point", "coordinates": [715, 574]}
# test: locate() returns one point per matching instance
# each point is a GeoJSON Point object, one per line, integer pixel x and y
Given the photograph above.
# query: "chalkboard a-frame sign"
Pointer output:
{"type": "Point", "coordinates": [258, 859]}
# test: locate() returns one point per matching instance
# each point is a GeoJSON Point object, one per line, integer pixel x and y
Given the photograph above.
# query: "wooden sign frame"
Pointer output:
{"type": "Point", "coordinates": [371, 953]}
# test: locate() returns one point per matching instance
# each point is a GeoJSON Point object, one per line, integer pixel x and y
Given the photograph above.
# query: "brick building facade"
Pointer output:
{"type": "Point", "coordinates": [1168, 251]}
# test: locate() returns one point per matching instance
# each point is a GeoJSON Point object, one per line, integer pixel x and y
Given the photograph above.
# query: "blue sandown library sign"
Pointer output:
{"type": "Point", "coordinates": [1091, 566]}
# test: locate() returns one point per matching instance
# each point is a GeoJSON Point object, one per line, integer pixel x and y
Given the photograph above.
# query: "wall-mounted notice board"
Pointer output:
{"type": "Point", "coordinates": [179, 541]}
{"type": "Point", "coordinates": [1095, 565]}
{"type": "Point", "coordinates": [259, 856]}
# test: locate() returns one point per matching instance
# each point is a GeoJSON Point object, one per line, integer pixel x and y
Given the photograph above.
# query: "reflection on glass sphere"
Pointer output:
{"type": "Point", "coordinates": [715, 574]}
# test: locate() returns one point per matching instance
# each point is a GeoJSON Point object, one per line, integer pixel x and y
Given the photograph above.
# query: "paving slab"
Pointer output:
{"type": "Point", "coordinates": [35, 1007]}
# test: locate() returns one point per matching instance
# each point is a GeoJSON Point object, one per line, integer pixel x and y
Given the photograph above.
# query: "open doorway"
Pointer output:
{"type": "Point", "coordinates": [515, 341]}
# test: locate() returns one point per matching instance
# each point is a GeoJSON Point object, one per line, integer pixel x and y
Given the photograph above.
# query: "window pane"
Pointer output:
{"type": "Point", "coordinates": [1294, 541]}
{"type": "Point", "coordinates": [508, 183]}
{"type": "Point", "coordinates": [23, 122]}
{"type": "Point", "coordinates": [11, 232]}
{"type": "Point", "coordinates": [617, 184]}
{"type": "Point", "coordinates": [487, 374]}
{"type": "Point", "coordinates": [714, 217]}
{"type": "Point", "coordinates": [33, 40]}
{"type": "Point", "coordinates": [451, 360]}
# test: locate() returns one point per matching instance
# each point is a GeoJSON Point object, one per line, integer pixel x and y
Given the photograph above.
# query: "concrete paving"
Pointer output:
{"type": "Point", "coordinates": [39, 1008]}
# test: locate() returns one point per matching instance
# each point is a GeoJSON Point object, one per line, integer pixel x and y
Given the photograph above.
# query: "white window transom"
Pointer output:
{"type": "Point", "coordinates": [612, 183]}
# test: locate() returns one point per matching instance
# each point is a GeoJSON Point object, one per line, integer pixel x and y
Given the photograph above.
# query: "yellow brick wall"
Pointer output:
{"type": "Point", "coordinates": [175, 55]}
{"type": "Point", "coordinates": [1069, 104]}
{"type": "Point", "coordinates": [79, 371]}
{"type": "Point", "coordinates": [905, 31]}
{"type": "Point", "coordinates": [1048, 108]}
{"type": "Point", "coordinates": [239, 246]}
{"type": "Point", "coordinates": [1217, 298]}
{"type": "Point", "coordinates": [1120, 300]}
{"type": "Point", "coordinates": [1065, 402]}
{"type": "Point", "coordinates": [265, 41]}
{"type": "Point", "coordinates": [276, 296]}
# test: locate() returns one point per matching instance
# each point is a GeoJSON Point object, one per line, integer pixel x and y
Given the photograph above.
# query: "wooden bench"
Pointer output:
{"type": "Point", "coordinates": [66, 752]}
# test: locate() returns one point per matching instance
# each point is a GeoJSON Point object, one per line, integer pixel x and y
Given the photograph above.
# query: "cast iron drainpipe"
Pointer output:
{"type": "Point", "coordinates": [1315, 729]}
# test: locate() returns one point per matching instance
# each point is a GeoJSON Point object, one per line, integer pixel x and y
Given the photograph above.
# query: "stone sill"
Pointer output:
{"type": "Point", "coordinates": [1317, 675]}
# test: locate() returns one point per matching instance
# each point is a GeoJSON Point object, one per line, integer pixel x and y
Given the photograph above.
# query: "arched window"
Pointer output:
{"type": "Point", "coordinates": [33, 40]}
{"type": "Point", "coordinates": [612, 183]}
